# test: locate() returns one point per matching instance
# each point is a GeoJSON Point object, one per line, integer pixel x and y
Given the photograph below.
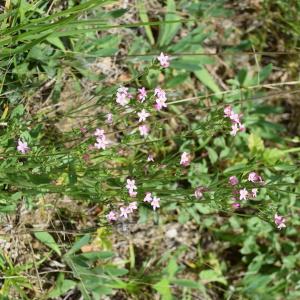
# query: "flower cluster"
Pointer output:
{"type": "Point", "coordinates": [131, 187]}
{"type": "Point", "coordinates": [244, 194]}
{"type": "Point", "coordinates": [153, 200]}
{"type": "Point", "coordinates": [161, 99]}
{"type": "Point", "coordinates": [124, 212]}
{"type": "Point", "coordinates": [236, 124]}
{"type": "Point", "coordinates": [101, 141]}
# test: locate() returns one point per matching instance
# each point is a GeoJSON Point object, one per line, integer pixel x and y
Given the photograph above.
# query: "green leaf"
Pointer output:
{"type": "Point", "coordinates": [62, 286]}
{"type": "Point", "coordinates": [255, 143]}
{"type": "Point", "coordinates": [212, 276]}
{"type": "Point", "coordinates": [79, 244]}
{"type": "Point", "coordinates": [189, 284]}
{"type": "Point", "coordinates": [163, 287]}
{"type": "Point", "coordinates": [168, 31]}
{"type": "Point", "coordinates": [144, 18]}
{"type": "Point", "coordinates": [47, 239]}
{"type": "Point", "coordinates": [208, 81]}
{"type": "Point", "coordinates": [212, 154]}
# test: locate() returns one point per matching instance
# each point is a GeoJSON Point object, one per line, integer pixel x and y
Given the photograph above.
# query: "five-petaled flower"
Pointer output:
{"type": "Point", "coordinates": [279, 221]}
{"type": "Point", "coordinates": [148, 197]}
{"type": "Point", "coordinates": [142, 94]}
{"type": "Point", "coordinates": [233, 180]}
{"type": "Point", "coordinates": [243, 194]}
{"type": "Point", "coordinates": [143, 115]}
{"type": "Point", "coordinates": [112, 216]}
{"type": "Point", "coordinates": [155, 203]}
{"type": "Point", "coordinates": [144, 130]}
{"type": "Point", "coordinates": [164, 60]}
{"type": "Point", "coordinates": [22, 147]}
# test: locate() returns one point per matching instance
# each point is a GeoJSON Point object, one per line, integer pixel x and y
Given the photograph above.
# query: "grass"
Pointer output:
{"type": "Point", "coordinates": [61, 67]}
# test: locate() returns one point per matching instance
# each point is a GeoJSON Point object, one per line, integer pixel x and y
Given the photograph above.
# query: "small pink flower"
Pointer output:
{"type": "Point", "coordinates": [143, 115]}
{"type": "Point", "coordinates": [83, 130]}
{"type": "Point", "coordinates": [109, 118]}
{"type": "Point", "coordinates": [142, 94]}
{"type": "Point", "coordinates": [234, 129]}
{"type": "Point", "coordinates": [243, 194]}
{"type": "Point", "coordinates": [233, 180]}
{"type": "Point", "coordinates": [99, 133]}
{"type": "Point", "coordinates": [123, 97]}
{"type": "Point", "coordinates": [185, 159]}
{"type": "Point", "coordinates": [236, 205]}
{"type": "Point", "coordinates": [22, 147]}
{"type": "Point", "coordinates": [279, 221]}
{"type": "Point", "coordinates": [235, 118]}
{"type": "Point", "coordinates": [132, 193]}
{"type": "Point", "coordinates": [148, 197]}
{"type": "Point", "coordinates": [150, 158]}
{"type": "Point", "coordinates": [132, 206]}
{"type": "Point", "coordinates": [254, 177]}
{"type": "Point", "coordinates": [155, 203]}
{"type": "Point", "coordinates": [112, 216]}
{"type": "Point", "coordinates": [160, 94]}
{"type": "Point", "coordinates": [131, 185]}
{"type": "Point", "coordinates": [254, 193]}
{"type": "Point", "coordinates": [160, 104]}
{"type": "Point", "coordinates": [124, 212]}
{"type": "Point", "coordinates": [199, 192]}
{"type": "Point", "coordinates": [227, 111]}
{"type": "Point", "coordinates": [101, 143]}
{"type": "Point", "coordinates": [122, 90]}
{"type": "Point", "coordinates": [144, 130]}
{"type": "Point", "coordinates": [164, 60]}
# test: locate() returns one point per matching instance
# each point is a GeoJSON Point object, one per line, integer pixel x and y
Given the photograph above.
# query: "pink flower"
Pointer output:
{"type": "Point", "coordinates": [155, 203]}
{"type": "Point", "coordinates": [148, 197]}
{"type": "Point", "coordinates": [132, 206]}
{"type": "Point", "coordinates": [199, 192]}
{"type": "Point", "coordinates": [236, 205]}
{"type": "Point", "coordinates": [112, 216]}
{"type": "Point", "coordinates": [22, 147]}
{"type": "Point", "coordinates": [164, 60]}
{"type": "Point", "coordinates": [144, 130]}
{"type": "Point", "coordinates": [160, 94]}
{"type": "Point", "coordinates": [160, 104]}
{"type": "Point", "coordinates": [132, 193]}
{"type": "Point", "coordinates": [123, 97]}
{"type": "Point", "coordinates": [243, 194]}
{"type": "Point", "coordinates": [185, 159]}
{"type": "Point", "coordinates": [131, 185]}
{"type": "Point", "coordinates": [143, 115]}
{"type": "Point", "coordinates": [227, 111]}
{"type": "Point", "coordinates": [99, 133]}
{"type": "Point", "coordinates": [279, 221]}
{"type": "Point", "coordinates": [254, 193]}
{"type": "Point", "coordinates": [142, 94]}
{"type": "Point", "coordinates": [109, 118]}
{"type": "Point", "coordinates": [101, 143]}
{"type": "Point", "coordinates": [234, 129]}
{"type": "Point", "coordinates": [235, 118]}
{"type": "Point", "coordinates": [124, 212]}
{"type": "Point", "coordinates": [233, 180]}
{"type": "Point", "coordinates": [254, 177]}
{"type": "Point", "coordinates": [150, 158]}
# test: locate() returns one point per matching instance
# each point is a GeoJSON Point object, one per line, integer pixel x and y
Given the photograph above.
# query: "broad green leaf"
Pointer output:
{"type": "Point", "coordinates": [212, 276]}
{"type": "Point", "coordinates": [79, 244]}
{"type": "Point", "coordinates": [163, 287]}
{"type": "Point", "coordinates": [189, 284]}
{"type": "Point", "coordinates": [212, 154]}
{"type": "Point", "coordinates": [144, 18]}
{"type": "Point", "coordinates": [255, 143]}
{"type": "Point", "coordinates": [47, 239]}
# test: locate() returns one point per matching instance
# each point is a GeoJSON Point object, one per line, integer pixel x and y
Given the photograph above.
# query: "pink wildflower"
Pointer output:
{"type": "Point", "coordinates": [155, 203]}
{"type": "Point", "coordinates": [144, 130]}
{"type": "Point", "coordinates": [148, 197]}
{"type": "Point", "coordinates": [160, 104]}
{"type": "Point", "coordinates": [234, 129]}
{"type": "Point", "coordinates": [279, 221]}
{"type": "Point", "coordinates": [22, 147]}
{"type": "Point", "coordinates": [131, 185]}
{"type": "Point", "coordinates": [143, 115]}
{"type": "Point", "coordinates": [132, 193]}
{"type": "Point", "coordinates": [243, 194]}
{"type": "Point", "coordinates": [254, 193]}
{"type": "Point", "coordinates": [233, 180]}
{"type": "Point", "coordinates": [123, 97]}
{"type": "Point", "coordinates": [99, 133]}
{"type": "Point", "coordinates": [132, 206]}
{"type": "Point", "coordinates": [160, 94]}
{"type": "Point", "coordinates": [164, 60]}
{"type": "Point", "coordinates": [101, 143]}
{"type": "Point", "coordinates": [142, 94]}
{"type": "Point", "coordinates": [112, 216]}
{"type": "Point", "coordinates": [124, 212]}
{"type": "Point", "coordinates": [199, 192]}
{"type": "Point", "coordinates": [227, 111]}
{"type": "Point", "coordinates": [185, 159]}
{"type": "Point", "coordinates": [236, 205]}
{"type": "Point", "coordinates": [150, 158]}
{"type": "Point", "coordinates": [109, 118]}
{"type": "Point", "coordinates": [254, 177]}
